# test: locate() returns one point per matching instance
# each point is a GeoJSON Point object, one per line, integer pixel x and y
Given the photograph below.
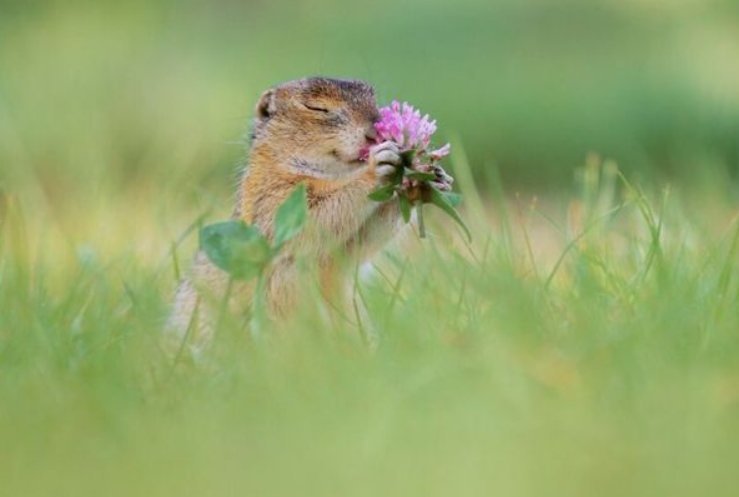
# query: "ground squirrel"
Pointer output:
{"type": "Point", "coordinates": [319, 132]}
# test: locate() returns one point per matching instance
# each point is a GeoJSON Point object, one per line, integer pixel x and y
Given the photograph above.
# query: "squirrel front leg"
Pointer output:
{"type": "Point", "coordinates": [339, 211]}
{"type": "Point", "coordinates": [341, 208]}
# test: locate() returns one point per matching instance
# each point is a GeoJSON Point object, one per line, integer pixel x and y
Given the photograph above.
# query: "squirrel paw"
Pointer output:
{"type": "Point", "coordinates": [384, 159]}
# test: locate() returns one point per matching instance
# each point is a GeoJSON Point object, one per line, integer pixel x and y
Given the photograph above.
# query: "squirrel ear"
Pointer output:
{"type": "Point", "coordinates": [266, 106]}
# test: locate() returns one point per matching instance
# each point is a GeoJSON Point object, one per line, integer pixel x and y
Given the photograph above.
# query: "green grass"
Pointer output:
{"type": "Point", "coordinates": [575, 348]}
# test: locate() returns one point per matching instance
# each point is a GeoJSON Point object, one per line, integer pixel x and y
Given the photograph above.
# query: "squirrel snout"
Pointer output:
{"type": "Point", "coordinates": [371, 134]}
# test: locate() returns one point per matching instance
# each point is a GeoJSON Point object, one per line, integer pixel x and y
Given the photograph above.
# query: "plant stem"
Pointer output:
{"type": "Point", "coordinates": [223, 311]}
{"type": "Point", "coordinates": [258, 311]}
{"type": "Point", "coordinates": [421, 224]}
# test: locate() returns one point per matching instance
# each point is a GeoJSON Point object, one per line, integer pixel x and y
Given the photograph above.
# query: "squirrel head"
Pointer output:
{"type": "Point", "coordinates": [318, 125]}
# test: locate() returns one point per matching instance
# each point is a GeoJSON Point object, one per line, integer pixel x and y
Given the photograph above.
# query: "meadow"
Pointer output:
{"type": "Point", "coordinates": [584, 343]}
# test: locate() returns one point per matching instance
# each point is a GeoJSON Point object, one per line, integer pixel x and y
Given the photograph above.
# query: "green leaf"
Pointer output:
{"type": "Point", "coordinates": [291, 216]}
{"type": "Point", "coordinates": [382, 193]}
{"type": "Point", "coordinates": [454, 199]}
{"type": "Point", "coordinates": [405, 207]}
{"type": "Point", "coordinates": [397, 178]}
{"type": "Point", "coordinates": [239, 249]}
{"type": "Point", "coordinates": [439, 200]}
{"type": "Point", "coordinates": [407, 158]}
{"type": "Point", "coordinates": [419, 175]}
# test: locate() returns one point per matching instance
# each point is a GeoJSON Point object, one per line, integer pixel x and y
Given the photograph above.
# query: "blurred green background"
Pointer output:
{"type": "Point", "coordinates": [138, 93]}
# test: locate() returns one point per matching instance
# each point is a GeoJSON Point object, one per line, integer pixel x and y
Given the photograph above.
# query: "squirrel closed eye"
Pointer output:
{"type": "Point", "coordinates": [316, 108]}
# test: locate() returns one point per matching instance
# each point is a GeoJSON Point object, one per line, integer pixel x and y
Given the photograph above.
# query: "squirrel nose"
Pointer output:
{"type": "Point", "coordinates": [371, 134]}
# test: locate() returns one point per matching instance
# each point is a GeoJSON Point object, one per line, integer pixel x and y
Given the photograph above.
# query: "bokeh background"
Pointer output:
{"type": "Point", "coordinates": [156, 94]}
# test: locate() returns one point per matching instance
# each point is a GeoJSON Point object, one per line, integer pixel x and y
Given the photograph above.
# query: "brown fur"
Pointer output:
{"type": "Point", "coordinates": [308, 131]}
